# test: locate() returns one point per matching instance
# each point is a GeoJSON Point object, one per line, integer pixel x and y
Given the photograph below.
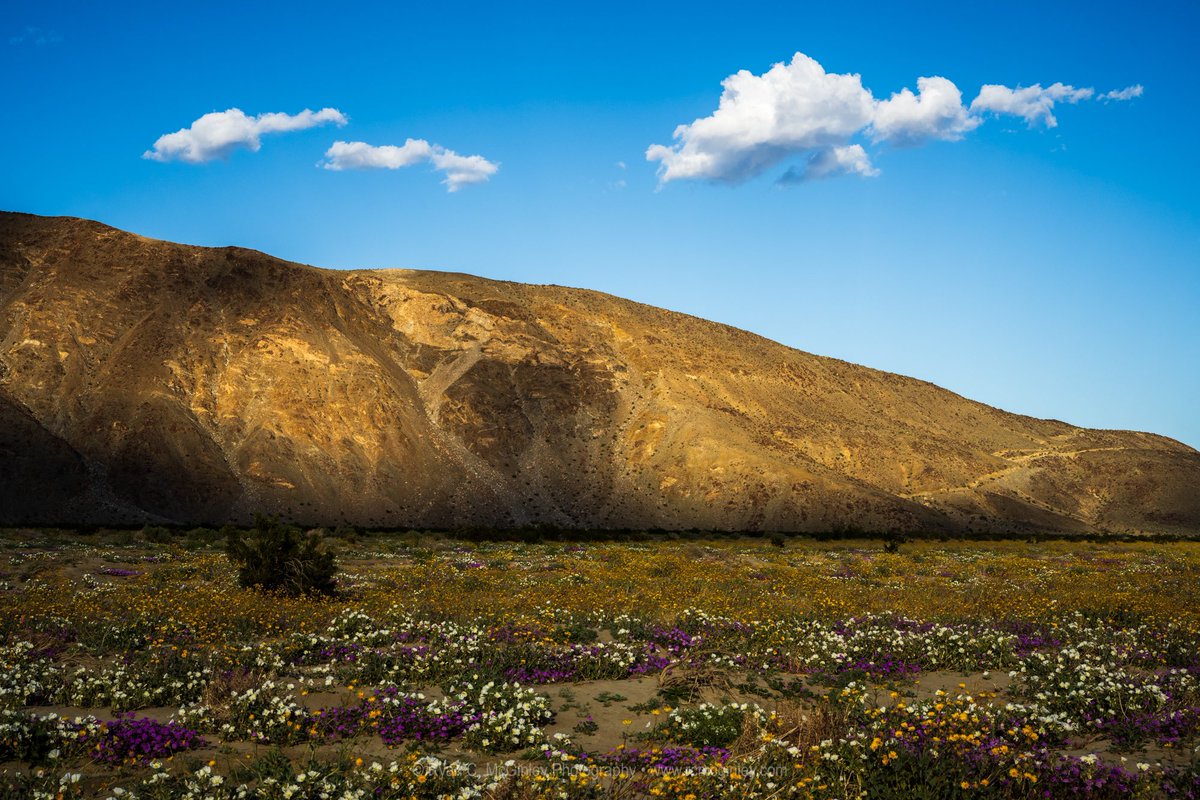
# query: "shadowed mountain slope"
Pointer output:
{"type": "Point", "coordinates": [142, 380]}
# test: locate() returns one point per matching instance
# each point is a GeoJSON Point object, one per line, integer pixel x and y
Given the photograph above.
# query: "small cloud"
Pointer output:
{"type": "Point", "coordinates": [460, 170]}
{"type": "Point", "coordinates": [35, 36]}
{"type": "Point", "coordinates": [360, 155]}
{"type": "Point", "coordinates": [833, 161]}
{"type": "Point", "coordinates": [217, 134]}
{"type": "Point", "coordinates": [620, 165]}
{"type": "Point", "coordinates": [1032, 103]}
{"type": "Point", "coordinates": [1128, 93]}
{"type": "Point", "coordinates": [936, 112]}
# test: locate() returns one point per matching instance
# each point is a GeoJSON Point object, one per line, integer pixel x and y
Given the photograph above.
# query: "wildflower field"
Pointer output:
{"type": "Point", "coordinates": [669, 668]}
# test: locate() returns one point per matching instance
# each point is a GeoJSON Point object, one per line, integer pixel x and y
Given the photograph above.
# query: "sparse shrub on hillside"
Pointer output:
{"type": "Point", "coordinates": [274, 556]}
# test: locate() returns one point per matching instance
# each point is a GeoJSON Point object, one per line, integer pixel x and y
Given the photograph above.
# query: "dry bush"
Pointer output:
{"type": "Point", "coordinates": [749, 740]}
{"type": "Point", "coordinates": [806, 725]}
{"type": "Point", "coordinates": [692, 678]}
{"type": "Point", "coordinates": [224, 686]}
{"type": "Point", "coordinates": [798, 724]}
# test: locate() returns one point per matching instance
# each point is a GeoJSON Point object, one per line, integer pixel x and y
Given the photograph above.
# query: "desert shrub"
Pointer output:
{"type": "Point", "coordinates": [276, 557]}
{"type": "Point", "coordinates": [708, 725]}
{"type": "Point", "coordinates": [197, 538]}
{"type": "Point", "coordinates": [347, 532]}
{"type": "Point", "coordinates": [156, 534]}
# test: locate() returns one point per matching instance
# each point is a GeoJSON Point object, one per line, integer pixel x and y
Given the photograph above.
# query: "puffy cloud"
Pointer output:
{"type": "Point", "coordinates": [460, 170]}
{"type": "Point", "coordinates": [360, 155]}
{"type": "Point", "coordinates": [763, 119]}
{"type": "Point", "coordinates": [937, 112]}
{"type": "Point", "coordinates": [217, 134]}
{"type": "Point", "coordinates": [1128, 93]}
{"type": "Point", "coordinates": [798, 110]}
{"type": "Point", "coordinates": [833, 161]}
{"type": "Point", "coordinates": [1033, 103]}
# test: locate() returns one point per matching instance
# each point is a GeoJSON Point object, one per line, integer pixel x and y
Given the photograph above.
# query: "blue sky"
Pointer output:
{"type": "Point", "coordinates": [1052, 271]}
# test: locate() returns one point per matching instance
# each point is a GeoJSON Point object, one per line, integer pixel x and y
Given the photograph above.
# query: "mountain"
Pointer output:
{"type": "Point", "coordinates": [145, 381]}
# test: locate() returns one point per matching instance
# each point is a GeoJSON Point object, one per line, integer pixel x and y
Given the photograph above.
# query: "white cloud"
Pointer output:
{"type": "Point", "coordinates": [460, 170]}
{"type": "Point", "coordinates": [217, 134]}
{"type": "Point", "coordinates": [833, 161]}
{"type": "Point", "coordinates": [797, 110]}
{"type": "Point", "coordinates": [763, 119]}
{"type": "Point", "coordinates": [360, 155]}
{"type": "Point", "coordinates": [1033, 103]}
{"type": "Point", "coordinates": [1128, 93]}
{"type": "Point", "coordinates": [937, 112]}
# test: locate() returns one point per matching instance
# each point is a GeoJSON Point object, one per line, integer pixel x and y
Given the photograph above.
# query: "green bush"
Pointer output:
{"type": "Point", "coordinates": [156, 534]}
{"type": "Point", "coordinates": [276, 557]}
{"type": "Point", "coordinates": [892, 541]}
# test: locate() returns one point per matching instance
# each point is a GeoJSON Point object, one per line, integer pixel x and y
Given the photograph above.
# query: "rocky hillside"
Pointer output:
{"type": "Point", "coordinates": [142, 380]}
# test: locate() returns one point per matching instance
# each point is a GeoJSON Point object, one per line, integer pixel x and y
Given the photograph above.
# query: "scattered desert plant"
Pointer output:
{"type": "Point", "coordinates": [273, 556]}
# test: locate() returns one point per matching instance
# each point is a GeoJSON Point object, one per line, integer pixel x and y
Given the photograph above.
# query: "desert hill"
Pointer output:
{"type": "Point", "coordinates": [142, 380]}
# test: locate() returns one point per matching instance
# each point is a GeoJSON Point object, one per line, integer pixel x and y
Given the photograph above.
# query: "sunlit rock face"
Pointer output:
{"type": "Point", "coordinates": [142, 380]}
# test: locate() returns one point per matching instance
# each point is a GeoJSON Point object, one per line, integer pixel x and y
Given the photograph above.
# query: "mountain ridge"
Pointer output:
{"type": "Point", "coordinates": [168, 382]}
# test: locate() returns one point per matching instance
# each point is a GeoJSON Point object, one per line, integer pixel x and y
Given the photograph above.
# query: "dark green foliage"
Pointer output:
{"type": "Point", "coordinates": [274, 765]}
{"type": "Point", "coordinates": [578, 633]}
{"type": "Point", "coordinates": [32, 739]}
{"type": "Point", "coordinates": [586, 727]}
{"type": "Point", "coordinates": [156, 534]}
{"type": "Point", "coordinates": [276, 557]}
{"type": "Point", "coordinates": [197, 538]}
